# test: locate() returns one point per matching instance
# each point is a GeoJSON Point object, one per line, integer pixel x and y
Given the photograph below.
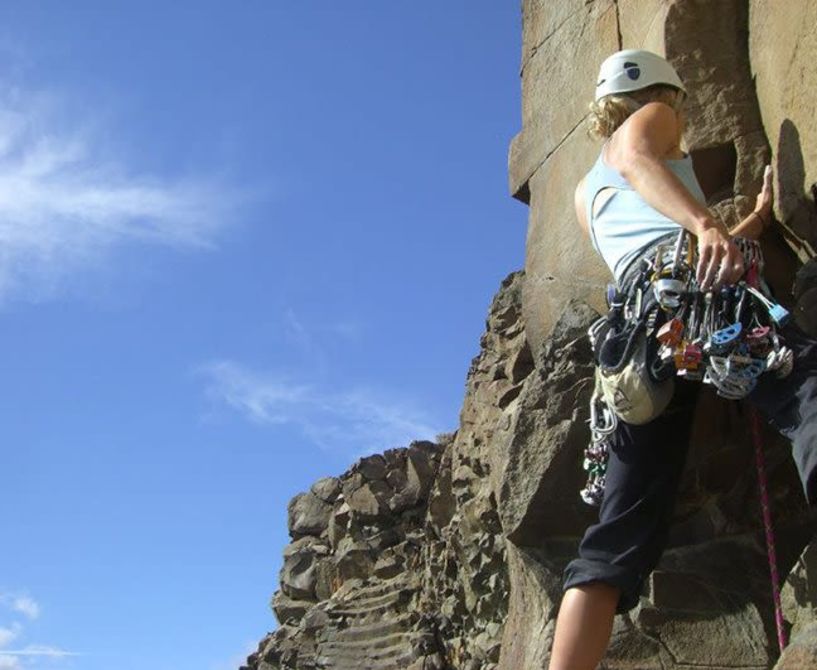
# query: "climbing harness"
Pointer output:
{"type": "Point", "coordinates": [660, 325]}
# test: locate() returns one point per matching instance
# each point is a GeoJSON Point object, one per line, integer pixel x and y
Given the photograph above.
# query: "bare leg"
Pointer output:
{"type": "Point", "coordinates": [583, 626]}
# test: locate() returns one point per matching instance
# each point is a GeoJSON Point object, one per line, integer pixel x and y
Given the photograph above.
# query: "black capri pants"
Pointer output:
{"type": "Point", "coordinates": [646, 463]}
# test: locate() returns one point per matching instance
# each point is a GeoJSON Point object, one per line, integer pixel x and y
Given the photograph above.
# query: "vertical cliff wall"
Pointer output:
{"type": "Point", "coordinates": [782, 48]}
{"type": "Point", "coordinates": [748, 65]}
{"type": "Point", "coordinates": [449, 554]}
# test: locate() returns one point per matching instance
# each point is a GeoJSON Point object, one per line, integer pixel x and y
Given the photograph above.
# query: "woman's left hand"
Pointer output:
{"type": "Point", "coordinates": [763, 204]}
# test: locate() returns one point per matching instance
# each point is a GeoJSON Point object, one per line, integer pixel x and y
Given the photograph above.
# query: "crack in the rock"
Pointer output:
{"type": "Point", "coordinates": [554, 150]}
{"type": "Point", "coordinates": [709, 666]}
{"type": "Point", "coordinates": [794, 52]}
{"type": "Point", "coordinates": [562, 141]}
{"type": "Point", "coordinates": [536, 47]}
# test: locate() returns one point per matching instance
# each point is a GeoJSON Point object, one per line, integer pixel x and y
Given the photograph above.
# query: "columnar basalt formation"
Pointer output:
{"type": "Point", "coordinates": [449, 554]}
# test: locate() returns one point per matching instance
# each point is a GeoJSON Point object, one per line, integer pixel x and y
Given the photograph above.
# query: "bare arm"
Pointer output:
{"type": "Point", "coordinates": [753, 225]}
{"type": "Point", "coordinates": [637, 150]}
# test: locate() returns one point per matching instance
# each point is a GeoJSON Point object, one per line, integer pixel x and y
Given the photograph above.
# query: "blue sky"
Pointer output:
{"type": "Point", "coordinates": [241, 244]}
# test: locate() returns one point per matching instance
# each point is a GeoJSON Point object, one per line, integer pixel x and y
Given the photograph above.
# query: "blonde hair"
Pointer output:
{"type": "Point", "coordinates": [611, 111]}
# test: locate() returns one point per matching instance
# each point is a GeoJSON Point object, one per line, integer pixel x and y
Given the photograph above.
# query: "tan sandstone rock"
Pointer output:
{"type": "Point", "coordinates": [782, 47]}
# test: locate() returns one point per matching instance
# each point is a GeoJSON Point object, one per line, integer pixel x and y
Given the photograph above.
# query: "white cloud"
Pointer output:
{"type": "Point", "coordinates": [21, 603]}
{"type": "Point", "coordinates": [8, 635]}
{"type": "Point", "coordinates": [10, 659]}
{"type": "Point", "coordinates": [263, 400]}
{"type": "Point", "coordinates": [27, 606]}
{"type": "Point", "coordinates": [9, 662]}
{"type": "Point", "coordinates": [39, 650]}
{"type": "Point", "coordinates": [64, 204]}
{"type": "Point", "coordinates": [355, 420]}
{"type": "Point", "coordinates": [32, 656]}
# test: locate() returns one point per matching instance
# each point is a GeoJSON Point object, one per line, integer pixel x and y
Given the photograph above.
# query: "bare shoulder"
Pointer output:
{"type": "Point", "coordinates": [579, 204]}
{"type": "Point", "coordinates": [655, 112]}
{"type": "Point", "coordinates": [654, 129]}
{"type": "Point", "coordinates": [654, 118]}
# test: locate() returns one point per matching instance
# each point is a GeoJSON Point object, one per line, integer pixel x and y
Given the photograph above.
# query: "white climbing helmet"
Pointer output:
{"type": "Point", "coordinates": [632, 70]}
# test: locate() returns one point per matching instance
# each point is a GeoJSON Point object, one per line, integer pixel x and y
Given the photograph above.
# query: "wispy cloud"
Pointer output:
{"type": "Point", "coordinates": [39, 650]}
{"type": "Point", "coordinates": [8, 635]}
{"type": "Point", "coordinates": [32, 657]}
{"type": "Point", "coordinates": [22, 604]}
{"type": "Point", "coordinates": [27, 606]}
{"type": "Point", "coordinates": [65, 202]}
{"type": "Point", "coordinates": [25, 656]}
{"type": "Point", "coordinates": [357, 420]}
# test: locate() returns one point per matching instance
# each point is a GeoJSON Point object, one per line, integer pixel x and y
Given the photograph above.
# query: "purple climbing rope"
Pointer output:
{"type": "Point", "coordinates": [767, 524]}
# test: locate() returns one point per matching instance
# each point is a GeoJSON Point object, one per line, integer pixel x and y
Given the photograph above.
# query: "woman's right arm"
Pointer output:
{"type": "Point", "coordinates": [637, 151]}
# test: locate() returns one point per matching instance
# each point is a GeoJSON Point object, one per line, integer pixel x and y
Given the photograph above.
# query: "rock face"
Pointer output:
{"type": "Point", "coordinates": [449, 554]}
{"type": "Point", "coordinates": [782, 48]}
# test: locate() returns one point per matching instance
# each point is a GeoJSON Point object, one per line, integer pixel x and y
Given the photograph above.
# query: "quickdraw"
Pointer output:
{"type": "Point", "coordinates": [603, 423]}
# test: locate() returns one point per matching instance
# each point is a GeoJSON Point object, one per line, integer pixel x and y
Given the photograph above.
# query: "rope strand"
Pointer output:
{"type": "Point", "coordinates": [767, 525]}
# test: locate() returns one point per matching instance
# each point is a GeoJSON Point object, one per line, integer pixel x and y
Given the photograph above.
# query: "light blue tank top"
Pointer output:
{"type": "Point", "coordinates": [625, 224]}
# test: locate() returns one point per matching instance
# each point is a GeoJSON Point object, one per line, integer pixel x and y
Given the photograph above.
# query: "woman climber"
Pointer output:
{"type": "Point", "coordinates": [642, 191]}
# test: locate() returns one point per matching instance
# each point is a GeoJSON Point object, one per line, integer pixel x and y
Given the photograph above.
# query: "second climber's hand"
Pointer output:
{"type": "Point", "coordinates": [720, 262]}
